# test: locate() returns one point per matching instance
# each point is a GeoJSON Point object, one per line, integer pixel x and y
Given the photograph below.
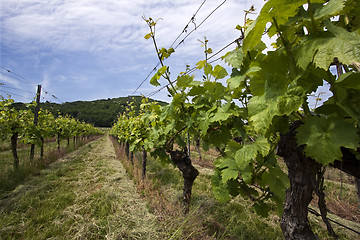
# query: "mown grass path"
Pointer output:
{"type": "Point", "coordinates": [85, 195]}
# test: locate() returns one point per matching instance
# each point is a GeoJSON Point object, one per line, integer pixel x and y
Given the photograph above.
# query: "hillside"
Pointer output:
{"type": "Point", "coordinates": [101, 113]}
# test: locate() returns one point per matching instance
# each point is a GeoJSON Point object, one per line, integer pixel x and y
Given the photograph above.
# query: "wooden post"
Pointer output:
{"type": "Point", "coordinates": [36, 115]}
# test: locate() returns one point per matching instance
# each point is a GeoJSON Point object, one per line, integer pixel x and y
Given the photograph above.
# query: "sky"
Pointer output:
{"type": "Point", "coordinates": [90, 49]}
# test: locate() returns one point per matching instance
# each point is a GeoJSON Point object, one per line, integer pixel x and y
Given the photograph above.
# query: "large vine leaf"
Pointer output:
{"type": "Point", "coordinates": [349, 80]}
{"type": "Point", "coordinates": [220, 189]}
{"type": "Point", "coordinates": [230, 170]}
{"type": "Point", "coordinates": [249, 152]}
{"type": "Point", "coordinates": [323, 138]}
{"type": "Point", "coordinates": [281, 9]}
{"type": "Point", "coordinates": [337, 42]}
{"type": "Point", "coordinates": [332, 8]}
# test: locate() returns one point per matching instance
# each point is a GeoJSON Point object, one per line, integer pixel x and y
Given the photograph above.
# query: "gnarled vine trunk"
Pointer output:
{"type": "Point", "coordinates": [144, 160]}
{"type": "Point", "coordinates": [58, 140]}
{"type": "Point", "coordinates": [14, 138]}
{"type": "Point", "coordinates": [42, 148]}
{"type": "Point", "coordinates": [32, 152]}
{"type": "Point", "coordinates": [302, 176]}
{"type": "Point", "coordinates": [183, 162]}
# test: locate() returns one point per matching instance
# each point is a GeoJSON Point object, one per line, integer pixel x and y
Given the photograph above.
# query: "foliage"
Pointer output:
{"type": "Point", "coordinates": [22, 122]}
{"type": "Point", "coordinates": [273, 88]}
{"type": "Point", "coordinates": [100, 113]}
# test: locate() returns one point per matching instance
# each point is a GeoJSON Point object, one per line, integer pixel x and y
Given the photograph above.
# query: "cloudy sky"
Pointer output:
{"type": "Point", "coordinates": [90, 49]}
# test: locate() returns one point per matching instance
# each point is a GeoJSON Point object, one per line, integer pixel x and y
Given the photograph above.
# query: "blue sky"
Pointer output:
{"type": "Point", "coordinates": [90, 49]}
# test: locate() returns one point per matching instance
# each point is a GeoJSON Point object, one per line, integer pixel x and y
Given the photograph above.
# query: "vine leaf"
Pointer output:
{"type": "Point", "coordinates": [324, 137]}
{"type": "Point", "coordinates": [281, 9]}
{"type": "Point", "coordinates": [248, 153]}
{"type": "Point", "coordinates": [349, 80]}
{"type": "Point", "coordinates": [337, 42]}
{"type": "Point", "coordinates": [222, 114]}
{"type": "Point", "coordinates": [155, 79]}
{"type": "Point", "coordinates": [184, 81]}
{"type": "Point", "coordinates": [220, 189]}
{"type": "Point", "coordinates": [230, 170]}
{"type": "Point", "coordinates": [234, 58]}
{"type": "Point", "coordinates": [219, 72]}
{"type": "Point", "coordinates": [332, 8]}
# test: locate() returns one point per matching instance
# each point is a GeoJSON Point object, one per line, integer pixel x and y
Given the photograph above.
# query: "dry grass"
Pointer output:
{"type": "Point", "coordinates": [211, 220]}
{"type": "Point", "coordinates": [85, 195]}
{"type": "Point", "coordinates": [88, 195]}
{"type": "Point", "coordinates": [207, 219]}
{"type": "Point", "coordinates": [10, 178]}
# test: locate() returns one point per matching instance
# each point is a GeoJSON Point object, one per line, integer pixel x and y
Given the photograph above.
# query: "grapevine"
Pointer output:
{"type": "Point", "coordinates": [274, 118]}
{"type": "Point", "coordinates": [18, 125]}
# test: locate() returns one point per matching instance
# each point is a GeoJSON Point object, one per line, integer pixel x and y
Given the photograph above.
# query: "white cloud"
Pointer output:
{"type": "Point", "coordinates": [108, 25]}
{"type": "Point", "coordinates": [50, 36]}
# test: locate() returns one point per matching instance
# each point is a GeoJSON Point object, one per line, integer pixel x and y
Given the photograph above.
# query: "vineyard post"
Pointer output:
{"type": "Point", "coordinates": [144, 160]}
{"type": "Point", "coordinates": [127, 145]}
{"type": "Point", "coordinates": [36, 115]}
{"type": "Point", "coordinates": [14, 138]}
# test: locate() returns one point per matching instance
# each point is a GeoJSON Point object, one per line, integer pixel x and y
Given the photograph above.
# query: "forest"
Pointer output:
{"type": "Point", "coordinates": [100, 113]}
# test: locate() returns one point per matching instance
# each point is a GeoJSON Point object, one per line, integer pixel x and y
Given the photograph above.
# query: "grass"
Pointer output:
{"type": "Point", "coordinates": [85, 195]}
{"type": "Point", "coordinates": [10, 178]}
{"type": "Point", "coordinates": [208, 218]}
{"type": "Point", "coordinates": [88, 195]}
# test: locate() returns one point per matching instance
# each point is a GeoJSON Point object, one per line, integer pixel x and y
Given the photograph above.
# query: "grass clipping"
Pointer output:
{"type": "Point", "coordinates": [85, 195]}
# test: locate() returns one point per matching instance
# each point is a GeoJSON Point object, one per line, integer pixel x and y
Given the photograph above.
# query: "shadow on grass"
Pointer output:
{"type": "Point", "coordinates": [11, 178]}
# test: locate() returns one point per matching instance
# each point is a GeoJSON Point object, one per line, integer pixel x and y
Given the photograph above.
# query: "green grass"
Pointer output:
{"type": "Point", "coordinates": [209, 219]}
{"type": "Point", "coordinates": [88, 195]}
{"type": "Point", "coordinates": [10, 177]}
{"type": "Point", "coordinates": [85, 195]}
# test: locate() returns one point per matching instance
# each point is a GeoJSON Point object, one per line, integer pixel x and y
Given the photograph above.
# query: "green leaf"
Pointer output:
{"type": "Point", "coordinates": [184, 81]}
{"type": "Point", "coordinates": [222, 114]}
{"type": "Point", "coordinates": [234, 58]}
{"type": "Point", "coordinates": [236, 82]}
{"type": "Point", "coordinates": [207, 69]}
{"type": "Point", "coordinates": [232, 147]}
{"type": "Point", "coordinates": [162, 70]}
{"type": "Point", "coordinates": [261, 112]}
{"type": "Point", "coordinates": [154, 80]}
{"type": "Point", "coordinates": [261, 208]}
{"type": "Point", "coordinates": [219, 72]}
{"type": "Point", "coordinates": [337, 42]}
{"type": "Point", "coordinates": [197, 90]}
{"type": "Point", "coordinates": [165, 53]}
{"type": "Point", "coordinates": [147, 36]}
{"type": "Point", "coordinates": [349, 80]}
{"type": "Point", "coordinates": [263, 146]}
{"type": "Point", "coordinates": [247, 174]}
{"type": "Point", "coordinates": [281, 9]}
{"type": "Point", "coordinates": [277, 181]}
{"type": "Point", "coordinates": [231, 171]}
{"type": "Point", "coordinates": [245, 155]}
{"type": "Point", "coordinates": [220, 189]}
{"type": "Point", "coordinates": [324, 137]}
{"type": "Point", "coordinates": [332, 8]}
{"type": "Point", "coordinates": [201, 64]}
